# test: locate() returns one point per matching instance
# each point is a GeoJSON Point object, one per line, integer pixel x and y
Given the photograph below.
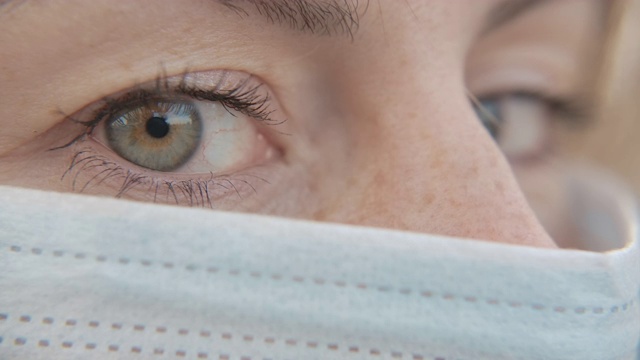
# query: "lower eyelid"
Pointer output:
{"type": "Point", "coordinates": [90, 171]}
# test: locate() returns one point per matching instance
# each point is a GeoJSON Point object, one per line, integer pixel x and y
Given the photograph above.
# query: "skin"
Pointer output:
{"type": "Point", "coordinates": [379, 128]}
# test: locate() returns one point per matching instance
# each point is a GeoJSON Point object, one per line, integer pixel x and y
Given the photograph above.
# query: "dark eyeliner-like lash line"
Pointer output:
{"type": "Point", "coordinates": [241, 98]}
{"type": "Point", "coordinates": [195, 192]}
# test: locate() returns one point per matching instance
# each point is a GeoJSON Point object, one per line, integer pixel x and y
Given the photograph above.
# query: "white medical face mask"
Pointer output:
{"type": "Point", "coordinates": [93, 278]}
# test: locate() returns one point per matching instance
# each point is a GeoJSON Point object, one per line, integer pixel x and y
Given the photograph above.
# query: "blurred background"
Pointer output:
{"type": "Point", "coordinates": [612, 141]}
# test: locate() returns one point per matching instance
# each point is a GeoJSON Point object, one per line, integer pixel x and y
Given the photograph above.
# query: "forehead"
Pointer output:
{"type": "Point", "coordinates": [74, 40]}
{"type": "Point", "coordinates": [333, 16]}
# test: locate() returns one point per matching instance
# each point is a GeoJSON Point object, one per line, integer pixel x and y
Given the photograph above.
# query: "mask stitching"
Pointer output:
{"type": "Point", "coordinates": [332, 347]}
{"type": "Point", "coordinates": [90, 346]}
{"type": "Point", "coordinates": [559, 309]}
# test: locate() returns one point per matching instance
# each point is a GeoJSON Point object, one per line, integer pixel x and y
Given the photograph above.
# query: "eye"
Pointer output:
{"type": "Point", "coordinates": [521, 122]}
{"type": "Point", "coordinates": [198, 133]}
{"type": "Point", "coordinates": [184, 135]}
{"type": "Point", "coordinates": [158, 135]}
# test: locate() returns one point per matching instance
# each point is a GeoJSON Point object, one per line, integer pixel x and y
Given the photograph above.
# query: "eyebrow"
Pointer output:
{"type": "Point", "coordinates": [332, 17]}
{"type": "Point", "coordinates": [341, 17]}
{"type": "Point", "coordinates": [320, 17]}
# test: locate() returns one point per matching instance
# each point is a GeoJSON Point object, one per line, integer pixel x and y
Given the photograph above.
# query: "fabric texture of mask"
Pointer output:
{"type": "Point", "coordinates": [93, 278]}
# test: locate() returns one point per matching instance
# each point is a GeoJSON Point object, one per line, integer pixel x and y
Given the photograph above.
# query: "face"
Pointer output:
{"type": "Point", "coordinates": [428, 116]}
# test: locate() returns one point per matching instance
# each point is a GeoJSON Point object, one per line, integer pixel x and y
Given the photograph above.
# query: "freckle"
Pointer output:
{"type": "Point", "coordinates": [351, 182]}
{"type": "Point", "coordinates": [437, 159]}
{"type": "Point", "coordinates": [380, 177]}
{"type": "Point", "coordinates": [173, 52]}
{"type": "Point", "coordinates": [319, 215]}
{"type": "Point", "coordinates": [456, 203]}
{"type": "Point", "coordinates": [499, 186]}
{"type": "Point", "coordinates": [428, 199]}
{"type": "Point", "coordinates": [313, 185]}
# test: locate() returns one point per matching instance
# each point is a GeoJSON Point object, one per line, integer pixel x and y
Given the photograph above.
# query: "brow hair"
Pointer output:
{"type": "Point", "coordinates": [321, 17]}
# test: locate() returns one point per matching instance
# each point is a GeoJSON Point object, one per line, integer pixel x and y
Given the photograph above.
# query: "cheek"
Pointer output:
{"type": "Point", "coordinates": [545, 185]}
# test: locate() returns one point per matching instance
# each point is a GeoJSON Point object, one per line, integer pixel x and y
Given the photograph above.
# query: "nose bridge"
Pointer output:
{"type": "Point", "coordinates": [428, 165]}
{"type": "Point", "coordinates": [426, 128]}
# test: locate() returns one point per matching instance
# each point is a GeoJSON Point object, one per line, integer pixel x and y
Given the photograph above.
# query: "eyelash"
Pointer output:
{"type": "Point", "coordinates": [197, 192]}
{"type": "Point", "coordinates": [243, 98]}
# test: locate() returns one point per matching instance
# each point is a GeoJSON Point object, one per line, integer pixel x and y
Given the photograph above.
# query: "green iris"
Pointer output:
{"type": "Point", "coordinates": [159, 135]}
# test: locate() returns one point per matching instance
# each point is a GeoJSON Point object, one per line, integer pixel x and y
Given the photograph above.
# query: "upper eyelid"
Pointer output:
{"type": "Point", "coordinates": [236, 90]}
{"type": "Point", "coordinates": [243, 91]}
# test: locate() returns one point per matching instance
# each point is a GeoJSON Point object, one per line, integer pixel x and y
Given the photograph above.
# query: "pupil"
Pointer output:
{"type": "Point", "coordinates": [157, 127]}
